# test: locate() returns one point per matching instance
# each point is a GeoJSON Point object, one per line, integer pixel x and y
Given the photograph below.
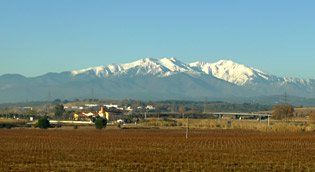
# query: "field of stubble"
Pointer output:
{"type": "Point", "coordinates": [155, 150]}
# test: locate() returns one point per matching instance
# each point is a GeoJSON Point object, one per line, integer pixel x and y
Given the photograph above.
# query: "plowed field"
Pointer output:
{"type": "Point", "coordinates": [155, 150]}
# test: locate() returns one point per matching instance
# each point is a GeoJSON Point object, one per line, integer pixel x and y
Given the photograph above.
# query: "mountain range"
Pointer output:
{"type": "Point", "coordinates": [156, 79]}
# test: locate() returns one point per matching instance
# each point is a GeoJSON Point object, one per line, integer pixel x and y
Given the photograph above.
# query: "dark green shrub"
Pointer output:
{"type": "Point", "coordinates": [8, 126]}
{"type": "Point", "coordinates": [75, 127]}
{"type": "Point", "coordinates": [100, 123]}
{"type": "Point", "coordinates": [43, 122]}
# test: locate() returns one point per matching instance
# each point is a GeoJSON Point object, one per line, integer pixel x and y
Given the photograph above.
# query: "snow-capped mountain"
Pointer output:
{"type": "Point", "coordinates": [162, 68]}
{"type": "Point", "coordinates": [230, 71]}
{"type": "Point", "coordinates": [226, 70]}
{"type": "Point", "coordinates": [155, 79]}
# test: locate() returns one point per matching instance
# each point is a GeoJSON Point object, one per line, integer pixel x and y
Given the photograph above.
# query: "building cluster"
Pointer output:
{"type": "Point", "coordinates": [110, 106]}
{"type": "Point", "coordinates": [108, 111]}
{"type": "Point", "coordinates": [147, 108]}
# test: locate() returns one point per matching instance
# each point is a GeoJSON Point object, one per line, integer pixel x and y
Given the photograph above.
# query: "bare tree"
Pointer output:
{"type": "Point", "coordinates": [282, 111]}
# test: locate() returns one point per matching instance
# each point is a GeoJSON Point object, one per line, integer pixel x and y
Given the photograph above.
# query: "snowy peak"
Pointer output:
{"type": "Point", "coordinates": [160, 67]}
{"type": "Point", "coordinates": [174, 65]}
{"type": "Point", "coordinates": [142, 67]}
{"type": "Point", "coordinates": [148, 66]}
{"type": "Point", "coordinates": [226, 70]}
{"type": "Point", "coordinates": [230, 71]}
{"type": "Point", "coordinates": [236, 73]}
{"type": "Point", "coordinates": [92, 70]}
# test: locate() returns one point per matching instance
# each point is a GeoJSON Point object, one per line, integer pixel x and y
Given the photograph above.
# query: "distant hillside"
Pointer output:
{"type": "Point", "coordinates": [159, 79]}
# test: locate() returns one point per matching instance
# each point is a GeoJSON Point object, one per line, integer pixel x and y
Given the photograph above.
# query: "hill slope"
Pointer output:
{"type": "Point", "coordinates": [154, 79]}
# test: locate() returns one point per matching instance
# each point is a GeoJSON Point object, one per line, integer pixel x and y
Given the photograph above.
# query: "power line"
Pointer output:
{"type": "Point", "coordinates": [205, 104]}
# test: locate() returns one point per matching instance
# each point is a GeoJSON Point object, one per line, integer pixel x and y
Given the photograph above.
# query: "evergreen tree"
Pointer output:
{"type": "Point", "coordinates": [100, 122]}
{"type": "Point", "coordinates": [43, 122]}
{"type": "Point", "coordinates": [59, 111]}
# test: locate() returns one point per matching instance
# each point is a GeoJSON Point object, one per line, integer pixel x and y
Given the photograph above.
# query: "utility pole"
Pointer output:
{"type": "Point", "coordinates": [145, 114]}
{"type": "Point", "coordinates": [49, 101]}
{"type": "Point", "coordinates": [187, 128]}
{"type": "Point", "coordinates": [204, 105]}
{"type": "Point", "coordinates": [285, 97]}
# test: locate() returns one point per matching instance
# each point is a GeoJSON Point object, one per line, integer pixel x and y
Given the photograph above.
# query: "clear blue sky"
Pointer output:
{"type": "Point", "coordinates": [40, 36]}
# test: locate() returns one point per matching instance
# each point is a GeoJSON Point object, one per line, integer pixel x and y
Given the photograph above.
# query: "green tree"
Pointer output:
{"type": "Point", "coordinates": [282, 111]}
{"type": "Point", "coordinates": [43, 122]}
{"type": "Point", "coordinates": [100, 122]}
{"type": "Point", "coordinates": [59, 111]}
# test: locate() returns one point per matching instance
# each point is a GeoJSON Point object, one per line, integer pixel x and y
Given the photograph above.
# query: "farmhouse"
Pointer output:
{"type": "Point", "coordinates": [101, 113]}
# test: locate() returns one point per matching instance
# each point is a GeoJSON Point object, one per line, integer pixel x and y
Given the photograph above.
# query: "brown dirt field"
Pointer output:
{"type": "Point", "coordinates": [302, 111]}
{"type": "Point", "coordinates": [155, 150]}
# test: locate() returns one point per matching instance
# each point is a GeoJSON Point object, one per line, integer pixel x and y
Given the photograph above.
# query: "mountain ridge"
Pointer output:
{"type": "Point", "coordinates": [227, 70]}
{"type": "Point", "coordinates": [155, 79]}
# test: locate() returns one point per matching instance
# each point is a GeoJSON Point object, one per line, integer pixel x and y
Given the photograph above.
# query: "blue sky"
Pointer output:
{"type": "Point", "coordinates": [40, 36]}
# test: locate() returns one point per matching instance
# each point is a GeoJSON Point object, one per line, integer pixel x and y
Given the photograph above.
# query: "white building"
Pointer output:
{"type": "Point", "coordinates": [113, 106]}
{"type": "Point", "coordinates": [91, 105]}
{"type": "Point", "coordinates": [129, 108]}
{"type": "Point", "coordinates": [150, 107]}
